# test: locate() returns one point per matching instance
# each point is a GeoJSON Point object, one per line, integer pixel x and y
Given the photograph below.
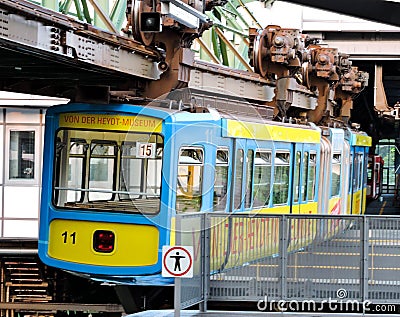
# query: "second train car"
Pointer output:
{"type": "Point", "coordinates": [116, 176]}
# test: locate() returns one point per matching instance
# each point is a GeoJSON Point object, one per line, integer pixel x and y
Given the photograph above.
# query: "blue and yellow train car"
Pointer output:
{"type": "Point", "coordinates": [359, 144]}
{"type": "Point", "coordinates": [116, 176]}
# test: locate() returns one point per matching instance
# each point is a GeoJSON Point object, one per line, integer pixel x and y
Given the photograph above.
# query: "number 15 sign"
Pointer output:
{"type": "Point", "coordinates": [145, 150]}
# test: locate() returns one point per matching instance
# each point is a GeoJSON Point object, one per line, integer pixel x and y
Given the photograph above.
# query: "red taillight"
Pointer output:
{"type": "Point", "coordinates": [103, 241]}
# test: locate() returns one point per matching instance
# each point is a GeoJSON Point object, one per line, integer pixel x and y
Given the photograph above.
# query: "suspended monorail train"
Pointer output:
{"type": "Point", "coordinates": [116, 176]}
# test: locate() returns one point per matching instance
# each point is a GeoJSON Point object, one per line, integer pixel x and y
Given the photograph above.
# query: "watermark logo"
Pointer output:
{"type": "Point", "coordinates": [326, 305]}
{"type": "Point", "coordinates": [341, 293]}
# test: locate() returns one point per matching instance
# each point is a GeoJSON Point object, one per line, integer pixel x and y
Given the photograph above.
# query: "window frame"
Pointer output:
{"type": "Point", "coordinates": [115, 138]}
{"type": "Point", "coordinates": [202, 164]}
{"type": "Point", "coordinates": [312, 166]}
{"type": "Point", "coordinates": [37, 155]}
{"type": "Point", "coordinates": [337, 162]}
{"type": "Point", "coordinates": [225, 165]}
{"type": "Point", "coordinates": [267, 165]}
{"type": "Point", "coordinates": [289, 166]}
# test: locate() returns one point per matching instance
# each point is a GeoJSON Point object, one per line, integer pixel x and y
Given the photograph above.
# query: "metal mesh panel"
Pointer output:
{"type": "Point", "coordinates": [384, 260]}
{"type": "Point", "coordinates": [292, 257]}
{"type": "Point", "coordinates": [302, 257]}
{"type": "Point", "coordinates": [244, 257]}
{"type": "Point", "coordinates": [189, 232]}
{"type": "Point", "coordinates": [324, 259]}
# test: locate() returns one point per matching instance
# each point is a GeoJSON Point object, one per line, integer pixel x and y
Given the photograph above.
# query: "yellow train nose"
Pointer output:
{"type": "Point", "coordinates": [103, 244]}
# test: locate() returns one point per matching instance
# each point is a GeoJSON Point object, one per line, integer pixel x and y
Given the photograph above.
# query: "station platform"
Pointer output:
{"type": "Point", "coordinates": [386, 205]}
{"type": "Point", "coordinates": [337, 260]}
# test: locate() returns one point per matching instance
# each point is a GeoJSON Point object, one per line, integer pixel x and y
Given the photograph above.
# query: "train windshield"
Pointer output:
{"type": "Point", "coordinates": [112, 171]}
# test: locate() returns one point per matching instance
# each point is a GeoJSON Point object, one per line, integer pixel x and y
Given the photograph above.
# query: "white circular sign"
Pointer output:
{"type": "Point", "coordinates": [177, 261]}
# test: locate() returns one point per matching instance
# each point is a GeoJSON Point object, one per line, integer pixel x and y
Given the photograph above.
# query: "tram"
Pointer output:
{"type": "Point", "coordinates": [116, 176]}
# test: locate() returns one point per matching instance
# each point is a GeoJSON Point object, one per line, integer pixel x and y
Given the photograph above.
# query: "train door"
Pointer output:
{"type": "Point", "coordinates": [324, 177]}
{"type": "Point", "coordinates": [364, 181]}
{"type": "Point", "coordinates": [283, 161]}
{"type": "Point", "coordinates": [222, 178]}
{"type": "Point", "coordinates": [239, 158]}
{"type": "Point", "coordinates": [345, 178]}
{"type": "Point", "coordinates": [304, 179]}
{"type": "Point", "coordinates": [358, 163]}
{"type": "Point", "coordinates": [303, 230]}
{"type": "Point", "coordinates": [308, 179]}
{"type": "Point", "coordinates": [296, 197]}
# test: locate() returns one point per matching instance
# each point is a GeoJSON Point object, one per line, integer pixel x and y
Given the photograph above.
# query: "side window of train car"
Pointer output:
{"type": "Point", "coordinates": [189, 180]}
{"type": "Point", "coordinates": [336, 167]}
{"type": "Point", "coordinates": [248, 197]}
{"type": "Point", "coordinates": [281, 178]}
{"type": "Point", "coordinates": [311, 177]}
{"type": "Point", "coordinates": [262, 178]}
{"type": "Point", "coordinates": [221, 180]}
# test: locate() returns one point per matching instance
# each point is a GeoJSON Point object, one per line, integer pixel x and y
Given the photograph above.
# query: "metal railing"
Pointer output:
{"type": "Point", "coordinates": [291, 258]}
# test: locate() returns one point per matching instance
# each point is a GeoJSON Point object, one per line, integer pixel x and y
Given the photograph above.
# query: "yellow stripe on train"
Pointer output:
{"type": "Point", "coordinates": [251, 130]}
{"type": "Point", "coordinates": [135, 245]}
{"type": "Point", "coordinates": [363, 140]}
{"type": "Point", "coordinates": [110, 122]}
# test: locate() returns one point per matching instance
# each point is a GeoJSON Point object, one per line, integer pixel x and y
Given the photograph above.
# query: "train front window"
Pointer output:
{"type": "Point", "coordinates": [101, 170]}
{"type": "Point", "coordinates": [111, 171]}
{"type": "Point", "coordinates": [76, 167]}
{"type": "Point", "coordinates": [141, 170]}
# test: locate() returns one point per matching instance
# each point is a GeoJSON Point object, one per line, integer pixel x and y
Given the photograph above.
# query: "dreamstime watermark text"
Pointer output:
{"type": "Point", "coordinates": [327, 305]}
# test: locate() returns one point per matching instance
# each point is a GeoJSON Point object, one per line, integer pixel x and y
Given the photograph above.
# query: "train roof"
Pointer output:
{"type": "Point", "coordinates": [250, 126]}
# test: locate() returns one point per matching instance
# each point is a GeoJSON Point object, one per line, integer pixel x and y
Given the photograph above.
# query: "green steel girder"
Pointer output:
{"type": "Point", "coordinates": [97, 21]}
{"type": "Point", "coordinates": [51, 4]}
{"type": "Point", "coordinates": [110, 15]}
{"type": "Point", "coordinates": [232, 23]}
{"type": "Point", "coordinates": [117, 14]}
{"type": "Point", "coordinates": [96, 12]}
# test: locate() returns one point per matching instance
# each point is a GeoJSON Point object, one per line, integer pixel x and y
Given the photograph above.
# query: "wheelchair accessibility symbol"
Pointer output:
{"type": "Point", "coordinates": [177, 261]}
